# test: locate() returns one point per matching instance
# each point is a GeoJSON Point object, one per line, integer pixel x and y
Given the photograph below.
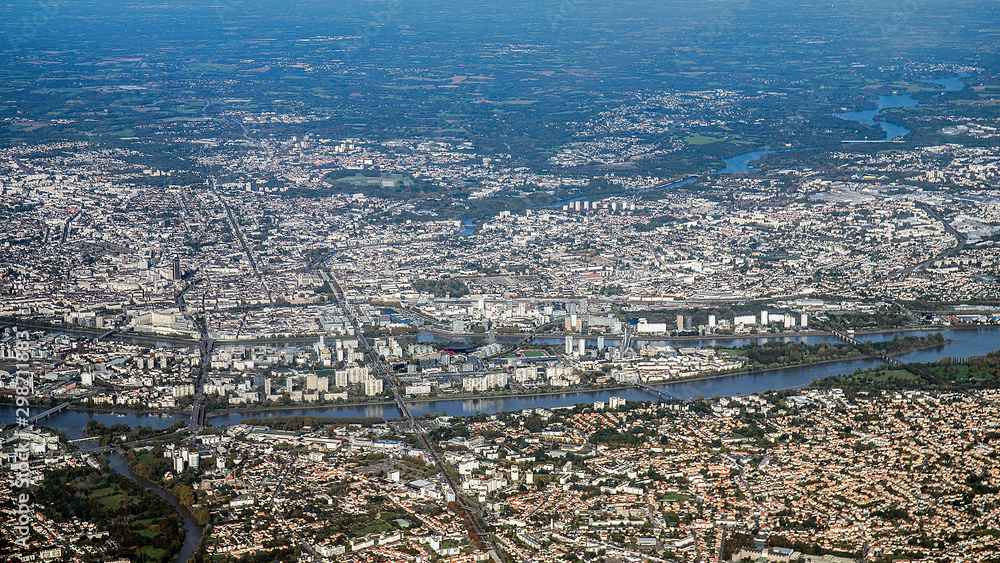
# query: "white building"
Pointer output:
{"type": "Point", "coordinates": [373, 386]}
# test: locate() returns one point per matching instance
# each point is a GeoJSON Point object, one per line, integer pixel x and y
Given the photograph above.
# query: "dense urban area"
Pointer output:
{"type": "Point", "coordinates": [386, 282]}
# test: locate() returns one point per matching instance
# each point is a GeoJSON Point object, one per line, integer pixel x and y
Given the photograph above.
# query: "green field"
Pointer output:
{"type": "Point", "coordinates": [977, 372]}
{"type": "Point", "coordinates": [701, 139]}
{"type": "Point", "coordinates": [100, 496]}
{"type": "Point", "coordinates": [534, 353]}
{"type": "Point", "coordinates": [894, 373]}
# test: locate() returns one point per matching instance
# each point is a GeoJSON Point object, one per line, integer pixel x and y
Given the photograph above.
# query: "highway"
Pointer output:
{"type": "Point", "coordinates": [934, 214]}
{"type": "Point", "coordinates": [238, 233]}
{"type": "Point", "coordinates": [206, 346]}
{"type": "Point", "coordinates": [383, 372]}
{"type": "Point", "coordinates": [198, 403]}
{"type": "Point", "coordinates": [68, 226]}
{"type": "Point", "coordinates": [181, 304]}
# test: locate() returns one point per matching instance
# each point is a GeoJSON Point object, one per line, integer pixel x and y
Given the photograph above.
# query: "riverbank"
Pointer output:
{"type": "Point", "coordinates": [662, 338]}
{"type": "Point", "coordinates": [808, 364]}
{"type": "Point", "coordinates": [193, 532]}
{"type": "Point", "coordinates": [927, 328]}
{"type": "Point", "coordinates": [217, 413]}
{"type": "Point", "coordinates": [427, 400]}
{"type": "Point", "coordinates": [964, 344]}
{"type": "Point", "coordinates": [442, 334]}
{"type": "Point", "coordinates": [251, 412]}
{"type": "Point", "coordinates": [139, 338]}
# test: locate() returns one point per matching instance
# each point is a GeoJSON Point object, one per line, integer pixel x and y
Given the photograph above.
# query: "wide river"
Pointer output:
{"type": "Point", "coordinates": [740, 164]}
{"type": "Point", "coordinates": [964, 343]}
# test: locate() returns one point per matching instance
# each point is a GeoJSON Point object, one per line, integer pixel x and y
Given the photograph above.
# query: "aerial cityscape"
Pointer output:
{"type": "Point", "coordinates": [515, 281]}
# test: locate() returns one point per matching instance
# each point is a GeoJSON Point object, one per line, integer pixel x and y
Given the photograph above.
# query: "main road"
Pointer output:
{"type": "Point", "coordinates": [238, 233]}
{"type": "Point", "coordinates": [382, 371]}
{"type": "Point", "coordinates": [959, 237]}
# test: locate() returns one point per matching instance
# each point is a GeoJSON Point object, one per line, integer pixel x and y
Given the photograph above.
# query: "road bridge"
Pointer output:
{"type": "Point", "coordinates": [659, 392]}
{"type": "Point", "coordinates": [48, 413]}
{"type": "Point", "coordinates": [880, 355]}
